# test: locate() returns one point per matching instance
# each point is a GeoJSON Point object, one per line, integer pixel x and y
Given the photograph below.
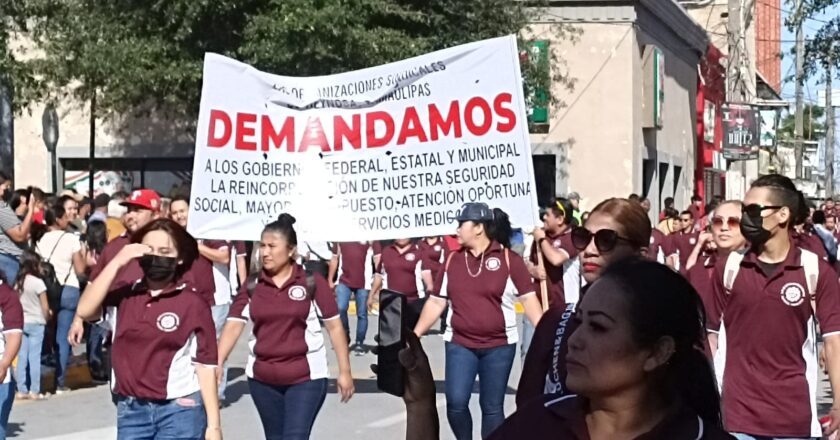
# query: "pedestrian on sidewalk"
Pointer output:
{"type": "Point", "coordinates": [14, 232]}
{"type": "Point", "coordinates": [287, 365]}
{"type": "Point", "coordinates": [616, 229]}
{"type": "Point", "coordinates": [164, 347]}
{"type": "Point", "coordinates": [354, 263]}
{"type": "Point", "coordinates": [11, 328]}
{"type": "Point", "coordinates": [481, 340]}
{"type": "Point", "coordinates": [36, 313]}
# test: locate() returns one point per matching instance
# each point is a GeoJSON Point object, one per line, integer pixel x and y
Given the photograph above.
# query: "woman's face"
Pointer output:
{"type": "Point", "coordinates": [594, 261]}
{"type": "Point", "coordinates": [603, 358]}
{"type": "Point", "coordinates": [726, 233]}
{"type": "Point", "coordinates": [468, 231]}
{"type": "Point", "coordinates": [179, 212]}
{"type": "Point", "coordinates": [275, 251]}
{"type": "Point", "coordinates": [161, 244]}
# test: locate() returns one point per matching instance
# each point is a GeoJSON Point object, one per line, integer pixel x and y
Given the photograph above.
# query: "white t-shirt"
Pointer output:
{"type": "Point", "coordinates": [66, 244]}
{"type": "Point", "coordinates": [30, 300]}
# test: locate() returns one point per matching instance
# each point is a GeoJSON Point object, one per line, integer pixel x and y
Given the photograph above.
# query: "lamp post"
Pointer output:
{"type": "Point", "coordinates": [49, 123]}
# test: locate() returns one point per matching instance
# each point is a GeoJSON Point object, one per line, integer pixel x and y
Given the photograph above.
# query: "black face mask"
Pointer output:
{"type": "Point", "coordinates": [752, 228]}
{"type": "Point", "coordinates": [157, 268]}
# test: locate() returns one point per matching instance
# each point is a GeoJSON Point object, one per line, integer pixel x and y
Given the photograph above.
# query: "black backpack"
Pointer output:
{"type": "Point", "coordinates": [48, 275]}
{"type": "Point", "coordinates": [251, 284]}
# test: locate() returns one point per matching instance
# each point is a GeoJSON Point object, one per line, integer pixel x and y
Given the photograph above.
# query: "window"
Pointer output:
{"type": "Point", "coordinates": [545, 170]}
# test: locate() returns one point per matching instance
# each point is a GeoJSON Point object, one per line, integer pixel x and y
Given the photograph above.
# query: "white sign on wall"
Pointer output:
{"type": "Point", "coordinates": [385, 152]}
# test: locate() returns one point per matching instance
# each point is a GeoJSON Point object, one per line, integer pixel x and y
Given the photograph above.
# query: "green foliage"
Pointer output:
{"type": "Point", "coordinates": [813, 126]}
{"type": "Point", "coordinates": [139, 53]}
{"type": "Point", "coordinates": [823, 48]}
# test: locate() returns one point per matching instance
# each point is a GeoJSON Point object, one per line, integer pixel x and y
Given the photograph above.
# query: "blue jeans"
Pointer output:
{"type": "Point", "coordinates": [7, 398]}
{"type": "Point", "coordinates": [527, 336]}
{"type": "Point", "coordinates": [342, 295]}
{"type": "Point", "coordinates": [183, 418]}
{"type": "Point", "coordinates": [761, 437]}
{"type": "Point", "coordinates": [492, 365]}
{"type": "Point", "coordinates": [96, 339]}
{"type": "Point", "coordinates": [9, 266]}
{"type": "Point", "coordinates": [288, 412]}
{"type": "Point", "coordinates": [220, 313]}
{"type": "Point", "coordinates": [66, 312]}
{"type": "Point", "coordinates": [29, 359]}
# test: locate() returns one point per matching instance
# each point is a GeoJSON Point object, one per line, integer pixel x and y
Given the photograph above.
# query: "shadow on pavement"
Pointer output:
{"type": "Point", "coordinates": [235, 391]}
{"type": "Point", "coordinates": [14, 429]}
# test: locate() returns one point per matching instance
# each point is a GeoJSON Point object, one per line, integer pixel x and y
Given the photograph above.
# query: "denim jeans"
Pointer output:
{"type": "Point", "coordinates": [7, 398]}
{"type": "Point", "coordinates": [96, 339]}
{"type": "Point", "coordinates": [342, 295]}
{"type": "Point", "coordinates": [492, 365]}
{"type": "Point", "coordinates": [9, 266]}
{"type": "Point", "coordinates": [29, 359]}
{"type": "Point", "coordinates": [66, 312]}
{"type": "Point", "coordinates": [527, 336]}
{"type": "Point", "coordinates": [288, 412]}
{"type": "Point", "coordinates": [183, 418]}
{"type": "Point", "coordinates": [220, 313]}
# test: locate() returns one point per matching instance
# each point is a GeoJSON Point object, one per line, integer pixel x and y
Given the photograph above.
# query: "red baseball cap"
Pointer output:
{"type": "Point", "coordinates": [143, 198]}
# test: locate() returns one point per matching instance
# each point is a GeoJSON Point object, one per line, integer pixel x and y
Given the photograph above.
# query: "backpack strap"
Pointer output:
{"type": "Point", "coordinates": [811, 264]}
{"type": "Point", "coordinates": [730, 271]}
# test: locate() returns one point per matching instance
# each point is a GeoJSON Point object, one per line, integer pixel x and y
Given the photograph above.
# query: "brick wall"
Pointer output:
{"type": "Point", "coordinates": [768, 23]}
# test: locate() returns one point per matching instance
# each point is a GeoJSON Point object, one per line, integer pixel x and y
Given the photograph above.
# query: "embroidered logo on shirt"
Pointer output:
{"type": "Point", "coordinates": [409, 257]}
{"type": "Point", "coordinates": [692, 241]}
{"type": "Point", "coordinates": [437, 248]}
{"type": "Point", "coordinates": [297, 293]}
{"type": "Point", "coordinates": [556, 243]}
{"type": "Point", "coordinates": [492, 264]}
{"type": "Point", "coordinates": [793, 294]}
{"type": "Point", "coordinates": [168, 322]}
{"type": "Point", "coordinates": [651, 239]}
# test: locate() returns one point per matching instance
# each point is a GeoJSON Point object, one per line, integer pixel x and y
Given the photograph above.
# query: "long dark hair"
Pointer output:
{"type": "Point", "coordinates": [499, 229]}
{"type": "Point", "coordinates": [663, 304]}
{"type": "Point", "coordinates": [184, 242]}
{"type": "Point", "coordinates": [784, 193]}
{"type": "Point", "coordinates": [96, 236]}
{"type": "Point", "coordinates": [30, 264]}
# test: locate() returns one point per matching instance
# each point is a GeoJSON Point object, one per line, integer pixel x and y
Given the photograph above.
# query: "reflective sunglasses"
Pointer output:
{"type": "Point", "coordinates": [731, 222]}
{"type": "Point", "coordinates": [755, 209]}
{"type": "Point", "coordinates": [605, 239]}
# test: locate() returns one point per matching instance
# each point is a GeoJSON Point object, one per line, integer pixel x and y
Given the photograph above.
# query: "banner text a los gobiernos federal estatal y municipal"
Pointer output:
{"type": "Point", "coordinates": [385, 152]}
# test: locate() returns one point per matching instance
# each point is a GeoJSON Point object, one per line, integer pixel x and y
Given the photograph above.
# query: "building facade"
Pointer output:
{"type": "Point", "coordinates": [628, 125]}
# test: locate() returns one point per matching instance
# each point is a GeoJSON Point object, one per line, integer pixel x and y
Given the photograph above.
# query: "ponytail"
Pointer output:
{"type": "Point", "coordinates": [500, 229]}
{"type": "Point", "coordinates": [692, 375]}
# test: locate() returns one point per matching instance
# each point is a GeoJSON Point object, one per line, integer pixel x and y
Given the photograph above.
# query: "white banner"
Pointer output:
{"type": "Point", "coordinates": [386, 152]}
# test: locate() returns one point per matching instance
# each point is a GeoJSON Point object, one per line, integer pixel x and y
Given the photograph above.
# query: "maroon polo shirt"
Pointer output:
{"type": "Point", "coordinates": [554, 274]}
{"type": "Point", "coordinates": [481, 296]}
{"type": "Point", "coordinates": [287, 344]}
{"type": "Point", "coordinates": [810, 242]}
{"type": "Point", "coordinates": [158, 340]}
{"type": "Point", "coordinates": [683, 245]}
{"type": "Point", "coordinates": [401, 269]}
{"type": "Point", "coordinates": [657, 243]}
{"type": "Point", "coordinates": [565, 418]}
{"type": "Point", "coordinates": [354, 260]}
{"type": "Point", "coordinates": [432, 257]}
{"type": "Point", "coordinates": [11, 319]}
{"type": "Point", "coordinates": [700, 276]}
{"type": "Point", "coordinates": [767, 326]}
{"type": "Point", "coordinates": [240, 248]}
{"type": "Point", "coordinates": [200, 275]}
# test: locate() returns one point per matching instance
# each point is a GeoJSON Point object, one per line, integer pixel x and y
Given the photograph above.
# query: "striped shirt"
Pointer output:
{"type": "Point", "coordinates": [8, 220]}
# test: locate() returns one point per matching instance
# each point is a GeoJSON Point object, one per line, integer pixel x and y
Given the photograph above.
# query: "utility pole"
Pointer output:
{"type": "Point", "coordinates": [800, 73]}
{"type": "Point", "coordinates": [829, 132]}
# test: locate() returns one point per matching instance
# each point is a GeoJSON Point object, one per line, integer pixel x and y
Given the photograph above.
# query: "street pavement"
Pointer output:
{"type": "Point", "coordinates": [87, 414]}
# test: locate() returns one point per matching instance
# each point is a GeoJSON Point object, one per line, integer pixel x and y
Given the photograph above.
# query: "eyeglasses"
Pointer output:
{"type": "Point", "coordinates": [731, 222]}
{"type": "Point", "coordinates": [756, 209]}
{"type": "Point", "coordinates": [605, 239]}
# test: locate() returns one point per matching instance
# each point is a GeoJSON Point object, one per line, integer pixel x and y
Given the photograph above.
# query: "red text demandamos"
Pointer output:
{"type": "Point", "coordinates": [254, 132]}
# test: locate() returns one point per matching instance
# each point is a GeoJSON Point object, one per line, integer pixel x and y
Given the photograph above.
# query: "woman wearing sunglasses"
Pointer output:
{"type": "Point", "coordinates": [714, 247]}
{"type": "Point", "coordinates": [481, 334]}
{"type": "Point", "coordinates": [616, 229]}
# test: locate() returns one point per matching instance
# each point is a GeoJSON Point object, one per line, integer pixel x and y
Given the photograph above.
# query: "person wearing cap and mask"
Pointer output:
{"type": "Point", "coordinates": [480, 282]}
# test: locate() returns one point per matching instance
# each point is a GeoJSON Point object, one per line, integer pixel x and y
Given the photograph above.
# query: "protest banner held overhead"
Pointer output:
{"type": "Point", "coordinates": [385, 152]}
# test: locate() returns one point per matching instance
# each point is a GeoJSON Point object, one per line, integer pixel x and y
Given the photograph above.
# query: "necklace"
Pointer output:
{"type": "Point", "coordinates": [480, 265]}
